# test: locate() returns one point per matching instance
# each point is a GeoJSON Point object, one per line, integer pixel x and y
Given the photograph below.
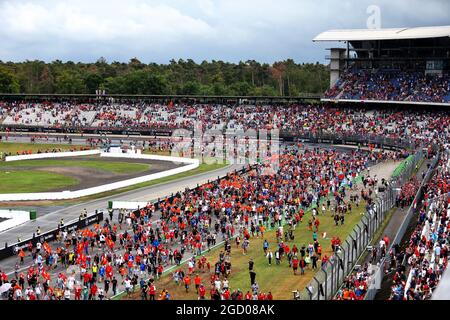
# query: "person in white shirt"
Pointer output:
{"type": "Point", "coordinates": [67, 294]}
{"type": "Point", "coordinates": [18, 294]}
{"type": "Point", "coordinates": [38, 292]}
{"type": "Point", "coordinates": [70, 282]}
{"type": "Point", "coordinates": [128, 286]}
{"type": "Point", "coordinates": [225, 284]}
{"type": "Point", "coordinates": [217, 284]}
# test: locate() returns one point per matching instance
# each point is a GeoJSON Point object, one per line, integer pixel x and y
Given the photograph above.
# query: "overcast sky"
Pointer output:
{"type": "Point", "coordinates": [158, 30]}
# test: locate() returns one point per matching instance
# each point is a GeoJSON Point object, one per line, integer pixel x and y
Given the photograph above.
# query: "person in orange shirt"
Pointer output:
{"type": "Point", "coordinates": [187, 282]}
{"type": "Point", "coordinates": [21, 255]}
{"type": "Point", "coordinates": [197, 282]}
{"type": "Point", "coordinates": [123, 272]}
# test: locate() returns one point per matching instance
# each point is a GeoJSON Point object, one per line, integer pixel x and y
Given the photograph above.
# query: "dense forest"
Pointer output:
{"type": "Point", "coordinates": [284, 78]}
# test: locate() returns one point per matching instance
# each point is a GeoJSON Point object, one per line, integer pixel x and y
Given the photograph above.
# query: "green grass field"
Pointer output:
{"type": "Point", "coordinates": [110, 166]}
{"type": "Point", "coordinates": [117, 167]}
{"type": "Point", "coordinates": [203, 168]}
{"type": "Point", "coordinates": [33, 181]}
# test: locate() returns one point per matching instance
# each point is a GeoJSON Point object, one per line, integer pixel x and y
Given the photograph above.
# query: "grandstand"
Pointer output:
{"type": "Point", "coordinates": [398, 65]}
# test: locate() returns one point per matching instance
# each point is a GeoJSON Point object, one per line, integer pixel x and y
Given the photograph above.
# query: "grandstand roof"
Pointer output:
{"type": "Point", "coordinates": [383, 34]}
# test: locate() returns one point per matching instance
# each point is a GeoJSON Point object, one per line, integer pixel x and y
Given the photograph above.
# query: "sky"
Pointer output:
{"type": "Point", "coordinates": [158, 30]}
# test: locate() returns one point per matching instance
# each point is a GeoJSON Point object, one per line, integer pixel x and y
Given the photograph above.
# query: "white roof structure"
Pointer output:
{"type": "Point", "coordinates": [383, 34]}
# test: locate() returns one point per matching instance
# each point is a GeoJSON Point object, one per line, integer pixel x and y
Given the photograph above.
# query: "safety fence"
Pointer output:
{"type": "Point", "coordinates": [375, 280]}
{"type": "Point", "coordinates": [331, 275]}
{"type": "Point", "coordinates": [378, 271]}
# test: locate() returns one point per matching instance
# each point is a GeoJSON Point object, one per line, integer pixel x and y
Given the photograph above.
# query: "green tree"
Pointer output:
{"type": "Point", "coordinates": [92, 82]}
{"type": "Point", "coordinates": [190, 88]}
{"type": "Point", "coordinates": [69, 82]}
{"type": "Point", "coordinates": [8, 81]}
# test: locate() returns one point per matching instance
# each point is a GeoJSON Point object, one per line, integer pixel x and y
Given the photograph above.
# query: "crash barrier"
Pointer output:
{"type": "Point", "coordinates": [51, 155]}
{"type": "Point", "coordinates": [402, 167]}
{"type": "Point", "coordinates": [314, 137]}
{"type": "Point", "coordinates": [329, 278]}
{"type": "Point", "coordinates": [13, 218]}
{"type": "Point", "coordinates": [353, 139]}
{"type": "Point", "coordinates": [129, 205]}
{"type": "Point", "coordinates": [64, 195]}
{"type": "Point", "coordinates": [10, 250]}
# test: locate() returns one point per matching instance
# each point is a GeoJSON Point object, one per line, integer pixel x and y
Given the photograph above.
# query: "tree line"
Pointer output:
{"type": "Point", "coordinates": [182, 77]}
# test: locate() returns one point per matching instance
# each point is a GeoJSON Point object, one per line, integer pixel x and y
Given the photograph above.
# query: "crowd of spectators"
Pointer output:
{"type": "Point", "coordinates": [391, 85]}
{"type": "Point", "coordinates": [426, 254]}
{"type": "Point", "coordinates": [407, 193]}
{"type": "Point", "coordinates": [127, 249]}
{"type": "Point", "coordinates": [192, 221]}
{"type": "Point", "coordinates": [413, 125]}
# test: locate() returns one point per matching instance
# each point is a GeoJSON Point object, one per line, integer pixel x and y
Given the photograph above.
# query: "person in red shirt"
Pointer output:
{"type": "Point", "coordinates": [226, 295]}
{"type": "Point", "coordinates": [324, 261]}
{"type": "Point", "coordinates": [386, 240]}
{"type": "Point", "coordinates": [316, 224]}
{"type": "Point", "coordinates": [201, 292]}
{"type": "Point", "coordinates": [295, 262]}
{"type": "Point", "coordinates": [86, 278]}
{"type": "Point", "coordinates": [248, 296]}
{"type": "Point", "coordinates": [269, 296]}
{"type": "Point", "coordinates": [152, 291]}
{"type": "Point", "coordinates": [78, 293]}
{"type": "Point", "coordinates": [93, 292]}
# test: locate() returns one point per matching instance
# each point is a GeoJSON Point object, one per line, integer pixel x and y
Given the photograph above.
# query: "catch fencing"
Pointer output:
{"type": "Point", "coordinates": [376, 279]}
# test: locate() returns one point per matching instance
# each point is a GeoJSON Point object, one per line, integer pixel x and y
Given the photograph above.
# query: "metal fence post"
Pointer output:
{"type": "Point", "coordinates": [326, 284]}
{"type": "Point", "coordinates": [318, 288]}
{"type": "Point", "coordinates": [343, 261]}
{"type": "Point", "coordinates": [352, 246]}
{"type": "Point", "coordinates": [332, 274]}
{"type": "Point", "coordinates": [358, 238]}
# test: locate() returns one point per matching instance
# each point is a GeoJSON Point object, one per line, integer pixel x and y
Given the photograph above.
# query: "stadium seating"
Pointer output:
{"type": "Point", "coordinates": [391, 85]}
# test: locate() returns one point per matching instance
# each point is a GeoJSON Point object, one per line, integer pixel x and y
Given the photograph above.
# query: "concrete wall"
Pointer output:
{"type": "Point", "coordinates": [130, 205]}
{"type": "Point", "coordinates": [50, 155]}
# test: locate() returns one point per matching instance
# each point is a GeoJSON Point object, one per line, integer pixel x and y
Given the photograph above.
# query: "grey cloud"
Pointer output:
{"type": "Point", "coordinates": [157, 31]}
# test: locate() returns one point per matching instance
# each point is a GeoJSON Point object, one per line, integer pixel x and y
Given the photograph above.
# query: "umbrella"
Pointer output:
{"type": "Point", "coordinates": [5, 287]}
